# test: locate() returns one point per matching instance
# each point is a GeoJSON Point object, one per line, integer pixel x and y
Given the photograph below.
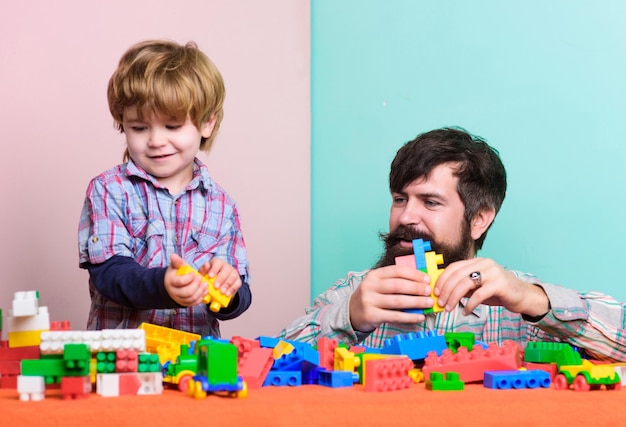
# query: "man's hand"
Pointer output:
{"type": "Point", "coordinates": [188, 289]}
{"type": "Point", "coordinates": [227, 279]}
{"type": "Point", "coordinates": [498, 287]}
{"type": "Point", "coordinates": [384, 292]}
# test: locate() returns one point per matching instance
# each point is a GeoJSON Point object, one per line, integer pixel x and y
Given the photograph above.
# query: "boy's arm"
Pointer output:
{"type": "Point", "coordinates": [122, 280]}
{"type": "Point", "coordinates": [238, 304]}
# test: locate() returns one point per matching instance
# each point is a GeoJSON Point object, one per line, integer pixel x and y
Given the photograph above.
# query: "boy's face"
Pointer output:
{"type": "Point", "coordinates": [164, 148]}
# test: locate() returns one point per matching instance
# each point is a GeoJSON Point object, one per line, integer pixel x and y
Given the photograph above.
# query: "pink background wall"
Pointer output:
{"type": "Point", "coordinates": [57, 133]}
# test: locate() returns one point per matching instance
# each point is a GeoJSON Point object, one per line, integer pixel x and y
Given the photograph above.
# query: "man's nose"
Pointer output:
{"type": "Point", "coordinates": [411, 215]}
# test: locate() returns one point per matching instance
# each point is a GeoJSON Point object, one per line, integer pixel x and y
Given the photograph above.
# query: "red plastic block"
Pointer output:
{"type": "Point", "coordinates": [244, 347]}
{"type": "Point", "coordinates": [9, 367]}
{"type": "Point", "coordinates": [388, 374]}
{"type": "Point", "coordinates": [256, 366]}
{"type": "Point", "coordinates": [19, 353]}
{"type": "Point", "coordinates": [75, 387]}
{"type": "Point", "coordinates": [126, 361]}
{"type": "Point", "coordinates": [9, 381]}
{"type": "Point", "coordinates": [471, 365]}
{"type": "Point", "coordinates": [550, 368]}
{"type": "Point", "coordinates": [326, 348]}
{"type": "Point", "coordinates": [63, 325]}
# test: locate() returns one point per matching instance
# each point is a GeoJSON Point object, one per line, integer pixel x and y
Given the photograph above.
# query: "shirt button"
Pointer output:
{"type": "Point", "coordinates": [94, 239]}
{"type": "Point", "coordinates": [174, 312]}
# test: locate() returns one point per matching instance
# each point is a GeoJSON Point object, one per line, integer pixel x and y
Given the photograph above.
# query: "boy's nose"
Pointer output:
{"type": "Point", "coordinates": [156, 139]}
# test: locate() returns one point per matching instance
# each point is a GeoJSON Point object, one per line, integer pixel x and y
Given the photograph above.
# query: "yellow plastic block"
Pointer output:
{"type": "Point", "coordinates": [25, 338]}
{"type": "Point", "coordinates": [283, 347]}
{"type": "Point", "coordinates": [432, 261]}
{"type": "Point", "coordinates": [215, 299]}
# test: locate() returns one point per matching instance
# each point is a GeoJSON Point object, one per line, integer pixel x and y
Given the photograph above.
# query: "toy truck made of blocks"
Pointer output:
{"type": "Point", "coordinates": [216, 370]}
{"type": "Point", "coordinates": [574, 371]}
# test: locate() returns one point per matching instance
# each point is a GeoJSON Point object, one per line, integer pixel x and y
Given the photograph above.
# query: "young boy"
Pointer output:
{"type": "Point", "coordinates": [160, 210]}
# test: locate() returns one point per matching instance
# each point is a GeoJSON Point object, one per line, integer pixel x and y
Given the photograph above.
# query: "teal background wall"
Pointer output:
{"type": "Point", "coordinates": [542, 81]}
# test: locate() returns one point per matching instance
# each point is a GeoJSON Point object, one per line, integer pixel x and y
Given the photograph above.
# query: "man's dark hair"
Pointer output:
{"type": "Point", "coordinates": [482, 177]}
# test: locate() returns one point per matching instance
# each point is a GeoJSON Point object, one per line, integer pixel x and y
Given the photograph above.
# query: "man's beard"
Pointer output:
{"type": "Point", "coordinates": [451, 253]}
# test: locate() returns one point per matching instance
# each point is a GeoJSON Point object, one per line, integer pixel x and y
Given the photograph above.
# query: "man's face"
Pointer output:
{"type": "Point", "coordinates": [430, 209]}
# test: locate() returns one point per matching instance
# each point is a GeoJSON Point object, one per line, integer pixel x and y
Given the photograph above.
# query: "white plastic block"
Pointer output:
{"type": "Point", "coordinates": [129, 383]}
{"type": "Point", "coordinates": [52, 342]}
{"type": "Point", "coordinates": [31, 388]}
{"type": "Point", "coordinates": [25, 303]}
{"type": "Point", "coordinates": [40, 321]}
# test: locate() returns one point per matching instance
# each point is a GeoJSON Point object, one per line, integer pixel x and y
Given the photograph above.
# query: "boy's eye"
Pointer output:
{"type": "Point", "coordinates": [138, 128]}
{"type": "Point", "coordinates": [172, 127]}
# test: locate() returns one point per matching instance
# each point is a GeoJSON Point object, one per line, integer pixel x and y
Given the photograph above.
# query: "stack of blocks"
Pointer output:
{"type": "Point", "coordinates": [427, 261]}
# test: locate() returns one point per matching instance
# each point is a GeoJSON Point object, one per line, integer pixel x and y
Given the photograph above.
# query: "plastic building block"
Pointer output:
{"type": "Point", "coordinates": [551, 352]}
{"type": "Point", "coordinates": [24, 338]}
{"type": "Point", "coordinates": [256, 366]}
{"type": "Point", "coordinates": [449, 381]}
{"type": "Point", "coordinates": [52, 342]}
{"type": "Point", "coordinates": [420, 247]}
{"type": "Point", "coordinates": [75, 387]}
{"type": "Point", "coordinates": [282, 348]}
{"type": "Point", "coordinates": [105, 362]}
{"type": "Point", "coordinates": [387, 374]}
{"type": "Point", "coordinates": [432, 261]}
{"type": "Point", "coordinates": [126, 361]}
{"type": "Point", "coordinates": [147, 362]}
{"type": "Point", "coordinates": [215, 299]}
{"type": "Point", "coordinates": [454, 340]}
{"type": "Point", "coordinates": [415, 345]}
{"type": "Point", "coordinates": [76, 359]}
{"type": "Point", "coordinates": [18, 353]}
{"type": "Point", "coordinates": [283, 378]}
{"type": "Point", "coordinates": [37, 322]}
{"type": "Point", "coordinates": [129, 383]}
{"type": "Point", "coordinates": [364, 358]}
{"type": "Point", "coordinates": [345, 360]}
{"type": "Point", "coordinates": [505, 380]}
{"type": "Point", "coordinates": [31, 388]}
{"type": "Point", "coordinates": [63, 325]}
{"type": "Point", "coordinates": [25, 303]}
{"type": "Point", "coordinates": [165, 342]}
{"type": "Point", "coordinates": [416, 375]}
{"type": "Point", "coordinates": [471, 365]}
{"type": "Point", "coordinates": [326, 348]}
{"type": "Point", "coordinates": [337, 379]}
{"type": "Point", "coordinates": [550, 368]}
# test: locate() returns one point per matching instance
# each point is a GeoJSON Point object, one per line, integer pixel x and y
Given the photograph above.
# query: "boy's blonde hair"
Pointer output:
{"type": "Point", "coordinates": [170, 80]}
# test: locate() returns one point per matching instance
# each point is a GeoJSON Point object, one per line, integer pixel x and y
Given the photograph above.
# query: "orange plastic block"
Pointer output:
{"type": "Point", "coordinates": [471, 365]}
{"type": "Point", "coordinates": [388, 374]}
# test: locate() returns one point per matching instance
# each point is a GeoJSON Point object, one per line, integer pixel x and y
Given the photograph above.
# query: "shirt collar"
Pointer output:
{"type": "Point", "coordinates": [200, 175]}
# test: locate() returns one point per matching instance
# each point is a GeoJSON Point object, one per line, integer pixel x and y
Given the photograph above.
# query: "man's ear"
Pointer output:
{"type": "Point", "coordinates": [207, 127]}
{"type": "Point", "coordinates": [481, 222]}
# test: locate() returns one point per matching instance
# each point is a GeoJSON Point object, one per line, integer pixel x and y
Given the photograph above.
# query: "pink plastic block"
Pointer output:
{"type": "Point", "coordinates": [388, 374]}
{"type": "Point", "coordinates": [471, 365]}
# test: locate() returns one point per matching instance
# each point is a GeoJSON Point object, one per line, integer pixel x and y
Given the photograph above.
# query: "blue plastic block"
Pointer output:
{"type": "Point", "coordinates": [337, 379]}
{"type": "Point", "coordinates": [419, 247]}
{"type": "Point", "coordinates": [505, 380]}
{"type": "Point", "coordinates": [283, 378]}
{"type": "Point", "coordinates": [415, 345]}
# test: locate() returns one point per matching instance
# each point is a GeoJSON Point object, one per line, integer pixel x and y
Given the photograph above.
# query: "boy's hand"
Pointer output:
{"type": "Point", "coordinates": [188, 289]}
{"type": "Point", "coordinates": [227, 279]}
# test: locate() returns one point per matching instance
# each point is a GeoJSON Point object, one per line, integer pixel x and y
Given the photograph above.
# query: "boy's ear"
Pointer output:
{"type": "Point", "coordinates": [207, 127]}
{"type": "Point", "coordinates": [481, 222]}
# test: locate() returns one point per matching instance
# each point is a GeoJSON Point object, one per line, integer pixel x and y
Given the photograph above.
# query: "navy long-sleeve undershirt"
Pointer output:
{"type": "Point", "coordinates": [122, 280]}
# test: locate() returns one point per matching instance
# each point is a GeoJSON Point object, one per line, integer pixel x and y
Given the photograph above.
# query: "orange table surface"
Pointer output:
{"type": "Point", "coordinates": [313, 405]}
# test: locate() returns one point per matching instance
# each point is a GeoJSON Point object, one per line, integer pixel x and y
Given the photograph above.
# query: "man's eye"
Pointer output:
{"type": "Point", "coordinates": [399, 200]}
{"type": "Point", "coordinates": [431, 203]}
